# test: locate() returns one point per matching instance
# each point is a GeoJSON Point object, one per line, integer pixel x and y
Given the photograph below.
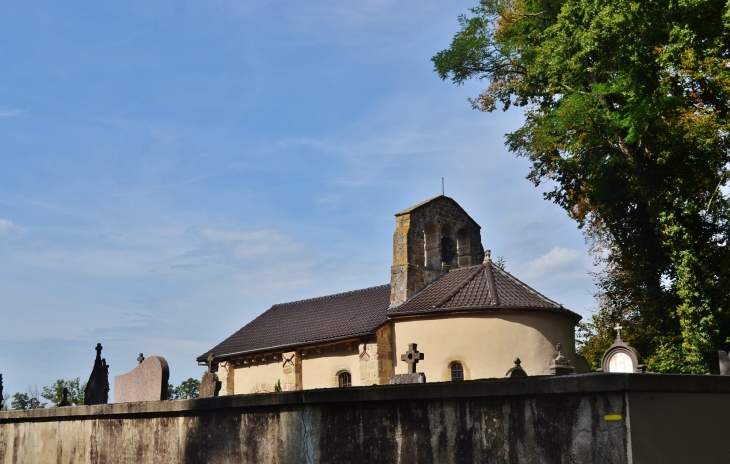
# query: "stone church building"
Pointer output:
{"type": "Point", "coordinates": [470, 318]}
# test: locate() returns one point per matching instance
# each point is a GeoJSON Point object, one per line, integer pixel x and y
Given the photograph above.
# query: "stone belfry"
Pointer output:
{"type": "Point", "coordinates": [431, 238]}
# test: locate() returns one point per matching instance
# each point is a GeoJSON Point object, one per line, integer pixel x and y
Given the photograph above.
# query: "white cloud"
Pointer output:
{"type": "Point", "coordinates": [560, 263]}
{"type": "Point", "coordinates": [11, 113]}
{"type": "Point", "coordinates": [252, 244]}
{"type": "Point", "coordinates": [8, 227]}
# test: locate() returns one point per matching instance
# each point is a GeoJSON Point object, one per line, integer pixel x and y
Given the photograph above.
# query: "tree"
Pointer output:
{"type": "Point", "coordinates": [187, 389]}
{"type": "Point", "coordinates": [28, 400]}
{"type": "Point", "coordinates": [54, 393]}
{"type": "Point", "coordinates": [626, 116]}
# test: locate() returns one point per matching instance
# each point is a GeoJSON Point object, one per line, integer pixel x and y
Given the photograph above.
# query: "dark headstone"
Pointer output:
{"type": "Point", "coordinates": [146, 382]}
{"type": "Point", "coordinates": [412, 357]}
{"type": "Point", "coordinates": [401, 379]}
{"type": "Point", "coordinates": [97, 388]}
{"type": "Point", "coordinates": [516, 371]}
{"type": "Point", "coordinates": [210, 385]}
{"type": "Point", "coordinates": [65, 401]}
{"type": "Point", "coordinates": [560, 365]}
{"type": "Point", "coordinates": [724, 363]}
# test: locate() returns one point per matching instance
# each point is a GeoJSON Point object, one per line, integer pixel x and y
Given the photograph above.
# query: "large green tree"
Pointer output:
{"type": "Point", "coordinates": [54, 392]}
{"type": "Point", "coordinates": [626, 120]}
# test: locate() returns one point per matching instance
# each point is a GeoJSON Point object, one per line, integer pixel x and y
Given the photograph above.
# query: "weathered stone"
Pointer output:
{"type": "Point", "coordinates": [724, 363]}
{"type": "Point", "coordinates": [418, 245]}
{"type": "Point", "coordinates": [146, 382]}
{"type": "Point", "coordinates": [560, 365]}
{"type": "Point", "coordinates": [517, 370]}
{"type": "Point", "coordinates": [97, 388]}
{"type": "Point", "coordinates": [210, 386]}
{"type": "Point", "coordinates": [412, 357]}
{"type": "Point", "coordinates": [415, 377]}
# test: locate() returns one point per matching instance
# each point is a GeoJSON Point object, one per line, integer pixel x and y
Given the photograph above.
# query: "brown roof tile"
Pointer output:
{"type": "Point", "coordinates": [473, 288]}
{"type": "Point", "coordinates": [300, 322]}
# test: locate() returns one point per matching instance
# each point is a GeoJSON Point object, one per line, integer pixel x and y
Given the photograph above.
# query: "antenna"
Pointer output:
{"type": "Point", "coordinates": [442, 186]}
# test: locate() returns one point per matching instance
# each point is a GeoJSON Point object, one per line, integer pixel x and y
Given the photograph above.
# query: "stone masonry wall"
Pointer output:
{"type": "Point", "coordinates": [417, 238]}
{"type": "Point", "coordinates": [376, 358]}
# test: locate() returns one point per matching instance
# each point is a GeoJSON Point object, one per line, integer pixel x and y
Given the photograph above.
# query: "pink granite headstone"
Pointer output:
{"type": "Point", "coordinates": [146, 382]}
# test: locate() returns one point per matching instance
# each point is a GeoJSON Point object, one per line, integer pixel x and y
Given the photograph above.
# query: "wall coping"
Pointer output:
{"type": "Point", "coordinates": [527, 386]}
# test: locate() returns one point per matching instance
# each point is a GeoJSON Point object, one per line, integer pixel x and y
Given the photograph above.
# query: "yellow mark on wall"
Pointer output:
{"type": "Point", "coordinates": [612, 417]}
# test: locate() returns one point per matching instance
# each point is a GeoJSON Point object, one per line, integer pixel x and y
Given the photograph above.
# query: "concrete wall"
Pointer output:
{"type": "Point", "coordinates": [485, 343]}
{"type": "Point", "coordinates": [570, 419]}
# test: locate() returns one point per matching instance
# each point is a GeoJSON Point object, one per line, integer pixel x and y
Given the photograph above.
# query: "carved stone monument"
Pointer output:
{"type": "Point", "coordinates": [517, 370]}
{"type": "Point", "coordinates": [210, 385]}
{"type": "Point", "coordinates": [724, 363]}
{"type": "Point", "coordinates": [560, 365]}
{"type": "Point", "coordinates": [621, 357]}
{"type": "Point", "coordinates": [411, 358]}
{"type": "Point", "coordinates": [97, 388]}
{"type": "Point", "coordinates": [146, 382]}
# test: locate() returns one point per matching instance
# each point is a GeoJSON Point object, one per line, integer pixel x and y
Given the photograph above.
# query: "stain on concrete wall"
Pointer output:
{"type": "Point", "coordinates": [510, 429]}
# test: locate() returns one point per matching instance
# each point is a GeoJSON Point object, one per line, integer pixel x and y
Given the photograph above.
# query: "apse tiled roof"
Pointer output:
{"type": "Point", "coordinates": [485, 286]}
{"type": "Point", "coordinates": [317, 319]}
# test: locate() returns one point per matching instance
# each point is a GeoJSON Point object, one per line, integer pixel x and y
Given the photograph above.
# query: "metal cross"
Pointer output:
{"type": "Point", "coordinates": [412, 357]}
{"type": "Point", "coordinates": [618, 331]}
{"type": "Point", "coordinates": [98, 350]}
{"type": "Point", "coordinates": [140, 358]}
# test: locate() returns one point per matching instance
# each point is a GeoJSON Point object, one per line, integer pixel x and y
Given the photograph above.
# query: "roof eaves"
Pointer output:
{"type": "Point", "coordinates": [559, 311]}
{"type": "Point", "coordinates": [291, 346]}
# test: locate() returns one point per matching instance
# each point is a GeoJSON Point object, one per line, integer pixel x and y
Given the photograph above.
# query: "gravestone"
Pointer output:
{"type": "Point", "coordinates": [64, 400]}
{"type": "Point", "coordinates": [97, 388]}
{"type": "Point", "coordinates": [560, 365]}
{"type": "Point", "coordinates": [210, 385]}
{"type": "Point", "coordinates": [411, 358]}
{"type": "Point", "coordinates": [2, 399]}
{"type": "Point", "coordinates": [724, 363]}
{"type": "Point", "coordinates": [517, 370]}
{"type": "Point", "coordinates": [621, 357]}
{"type": "Point", "coordinates": [146, 382]}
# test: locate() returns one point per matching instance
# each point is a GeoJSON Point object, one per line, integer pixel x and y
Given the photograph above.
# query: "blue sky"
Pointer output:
{"type": "Point", "coordinates": [170, 169]}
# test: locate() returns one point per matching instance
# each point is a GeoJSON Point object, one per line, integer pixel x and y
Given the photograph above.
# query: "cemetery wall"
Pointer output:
{"type": "Point", "coordinates": [606, 418]}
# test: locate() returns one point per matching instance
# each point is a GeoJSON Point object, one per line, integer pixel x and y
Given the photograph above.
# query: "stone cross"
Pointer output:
{"type": "Point", "coordinates": [211, 358]}
{"type": "Point", "coordinates": [98, 350]}
{"type": "Point", "coordinates": [618, 331]}
{"type": "Point", "coordinates": [64, 400]}
{"type": "Point", "coordinates": [140, 358]}
{"type": "Point", "coordinates": [412, 357]}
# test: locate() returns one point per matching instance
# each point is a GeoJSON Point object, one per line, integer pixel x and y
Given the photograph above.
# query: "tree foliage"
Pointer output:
{"type": "Point", "coordinates": [187, 389]}
{"type": "Point", "coordinates": [54, 392]}
{"type": "Point", "coordinates": [626, 116]}
{"type": "Point", "coordinates": [28, 400]}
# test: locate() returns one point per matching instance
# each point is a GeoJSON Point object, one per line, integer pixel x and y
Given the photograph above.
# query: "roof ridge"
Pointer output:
{"type": "Point", "coordinates": [527, 287]}
{"type": "Point", "coordinates": [329, 296]}
{"type": "Point", "coordinates": [464, 282]}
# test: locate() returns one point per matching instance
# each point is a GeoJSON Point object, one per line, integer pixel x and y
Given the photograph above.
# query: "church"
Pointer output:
{"type": "Point", "coordinates": [470, 318]}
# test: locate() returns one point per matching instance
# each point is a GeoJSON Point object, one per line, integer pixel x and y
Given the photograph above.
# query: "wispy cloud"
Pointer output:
{"type": "Point", "coordinates": [563, 264]}
{"type": "Point", "coordinates": [11, 113]}
{"type": "Point", "coordinates": [8, 227]}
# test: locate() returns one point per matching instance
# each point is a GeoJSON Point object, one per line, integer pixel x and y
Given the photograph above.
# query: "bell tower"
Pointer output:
{"type": "Point", "coordinates": [431, 238]}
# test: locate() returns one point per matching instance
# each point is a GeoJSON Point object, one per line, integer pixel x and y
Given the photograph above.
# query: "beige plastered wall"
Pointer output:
{"type": "Point", "coordinates": [486, 344]}
{"type": "Point", "coordinates": [258, 377]}
{"type": "Point", "coordinates": [320, 370]}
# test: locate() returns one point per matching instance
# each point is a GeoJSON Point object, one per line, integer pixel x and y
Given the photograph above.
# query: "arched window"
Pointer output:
{"type": "Point", "coordinates": [457, 372]}
{"type": "Point", "coordinates": [345, 379]}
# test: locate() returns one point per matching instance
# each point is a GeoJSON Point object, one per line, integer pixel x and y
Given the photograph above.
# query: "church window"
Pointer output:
{"type": "Point", "coordinates": [345, 379]}
{"type": "Point", "coordinates": [457, 372]}
{"type": "Point", "coordinates": [448, 247]}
